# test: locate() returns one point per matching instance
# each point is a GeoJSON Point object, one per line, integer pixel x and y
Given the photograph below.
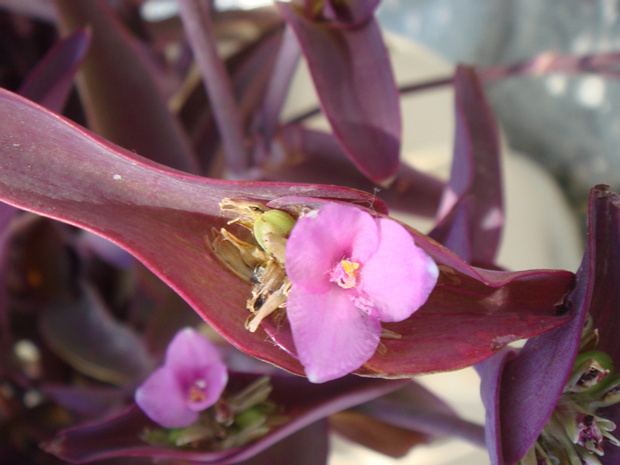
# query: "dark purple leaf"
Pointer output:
{"type": "Point", "coordinates": [163, 217]}
{"type": "Point", "coordinates": [88, 402]}
{"type": "Point", "coordinates": [476, 172]}
{"type": "Point", "coordinates": [308, 446]}
{"type": "Point", "coordinates": [455, 229]}
{"type": "Point", "coordinates": [317, 157]}
{"type": "Point", "coordinates": [345, 64]}
{"type": "Point", "coordinates": [249, 70]}
{"type": "Point", "coordinates": [470, 315]}
{"type": "Point", "coordinates": [51, 81]}
{"type": "Point", "coordinates": [201, 35]}
{"type": "Point", "coordinates": [121, 98]}
{"type": "Point", "coordinates": [374, 434]}
{"type": "Point", "coordinates": [520, 391]}
{"type": "Point", "coordinates": [602, 279]}
{"type": "Point", "coordinates": [277, 89]}
{"type": "Point", "coordinates": [119, 436]}
{"type": "Point", "coordinates": [417, 409]}
{"type": "Point", "coordinates": [82, 332]}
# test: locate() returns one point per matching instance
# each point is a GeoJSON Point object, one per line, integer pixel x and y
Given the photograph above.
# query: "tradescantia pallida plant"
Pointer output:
{"type": "Point", "coordinates": [267, 230]}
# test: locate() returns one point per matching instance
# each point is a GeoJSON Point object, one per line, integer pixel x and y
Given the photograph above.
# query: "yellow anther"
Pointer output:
{"type": "Point", "coordinates": [350, 268]}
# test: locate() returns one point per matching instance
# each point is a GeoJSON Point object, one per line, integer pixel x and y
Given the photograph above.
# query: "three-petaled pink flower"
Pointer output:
{"type": "Point", "coordinates": [349, 272]}
{"type": "Point", "coordinates": [191, 380]}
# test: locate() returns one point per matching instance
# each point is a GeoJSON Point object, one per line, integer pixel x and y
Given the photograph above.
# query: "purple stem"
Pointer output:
{"type": "Point", "coordinates": [200, 33]}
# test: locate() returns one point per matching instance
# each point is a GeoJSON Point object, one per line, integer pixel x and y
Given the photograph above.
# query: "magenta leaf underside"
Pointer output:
{"type": "Point", "coordinates": [163, 217]}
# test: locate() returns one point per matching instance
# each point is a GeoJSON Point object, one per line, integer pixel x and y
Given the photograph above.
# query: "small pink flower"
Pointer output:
{"type": "Point", "coordinates": [191, 380]}
{"type": "Point", "coordinates": [349, 272]}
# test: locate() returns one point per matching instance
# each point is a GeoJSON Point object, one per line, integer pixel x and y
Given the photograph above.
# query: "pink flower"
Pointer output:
{"type": "Point", "coordinates": [191, 380]}
{"type": "Point", "coordinates": [350, 272]}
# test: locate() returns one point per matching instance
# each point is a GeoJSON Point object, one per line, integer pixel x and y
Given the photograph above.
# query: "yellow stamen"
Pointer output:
{"type": "Point", "coordinates": [350, 268]}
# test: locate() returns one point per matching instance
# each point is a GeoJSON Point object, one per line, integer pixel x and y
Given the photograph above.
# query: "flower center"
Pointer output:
{"type": "Point", "coordinates": [590, 435]}
{"type": "Point", "coordinates": [196, 392]}
{"type": "Point", "coordinates": [345, 274]}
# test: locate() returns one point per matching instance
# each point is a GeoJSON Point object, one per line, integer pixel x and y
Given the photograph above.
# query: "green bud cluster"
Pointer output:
{"type": "Point", "coordinates": [272, 224]}
{"type": "Point", "coordinates": [574, 434]}
{"type": "Point", "coordinates": [237, 419]}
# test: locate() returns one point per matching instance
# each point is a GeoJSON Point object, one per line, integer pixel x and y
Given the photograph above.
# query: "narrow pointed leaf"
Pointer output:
{"type": "Point", "coordinates": [317, 157]}
{"type": "Point", "coordinates": [417, 409]}
{"type": "Point", "coordinates": [122, 100]}
{"type": "Point", "coordinates": [200, 32]}
{"type": "Point", "coordinates": [163, 217]}
{"type": "Point", "coordinates": [51, 81]}
{"type": "Point", "coordinates": [84, 334]}
{"type": "Point", "coordinates": [476, 172]}
{"type": "Point", "coordinates": [284, 67]}
{"type": "Point", "coordinates": [313, 439]}
{"type": "Point", "coordinates": [374, 434]}
{"type": "Point", "coordinates": [521, 391]}
{"type": "Point", "coordinates": [346, 63]}
{"type": "Point", "coordinates": [604, 285]}
{"type": "Point", "coordinates": [471, 314]}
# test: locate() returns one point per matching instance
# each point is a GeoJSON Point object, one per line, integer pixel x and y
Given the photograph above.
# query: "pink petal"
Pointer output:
{"type": "Point", "coordinates": [189, 348]}
{"type": "Point", "coordinates": [194, 359]}
{"type": "Point", "coordinates": [399, 277]}
{"type": "Point", "coordinates": [161, 398]}
{"type": "Point", "coordinates": [323, 237]}
{"type": "Point", "coordinates": [332, 337]}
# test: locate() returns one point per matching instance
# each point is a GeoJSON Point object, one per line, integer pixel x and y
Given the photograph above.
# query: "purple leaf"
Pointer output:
{"type": "Point", "coordinates": [476, 172]}
{"type": "Point", "coordinates": [51, 81]}
{"type": "Point", "coordinates": [201, 35]}
{"type": "Point", "coordinates": [90, 402]}
{"type": "Point", "coordinates": [520, 391]}
{"type": "Point", "coordinates": [308, 446]}
{"type": "Point", "coordinates": [277, 88]}
{"type": "Point", "coordinates": [161, 216]}
{"type": "Point", "coordinates": [317, 157]}
{"type": "Point", "coordinates": [121, 98]}
{"type": "Point", "coordinates": [119, 436]}
{"type": "Point", "coordinates": [83, 333]}
{"type": "Point", "coordinates": [346, 63]}
{"type": "Point", "coordinates": [374, 434]}
{"type": "Point", "coordinates": [470, 315]}
{"type": "Point", "coordinates": [417, 409]}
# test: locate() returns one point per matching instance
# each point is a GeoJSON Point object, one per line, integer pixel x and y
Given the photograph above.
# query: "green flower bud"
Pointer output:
{"type": "Point", "coordinates": [607, 393]}
{"type": "Point", "coordinates": [250, 418]}
{"type": "Point", "coordinates": [589, 370]}
{"type": "Point", "coordinates": [272, 227]}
